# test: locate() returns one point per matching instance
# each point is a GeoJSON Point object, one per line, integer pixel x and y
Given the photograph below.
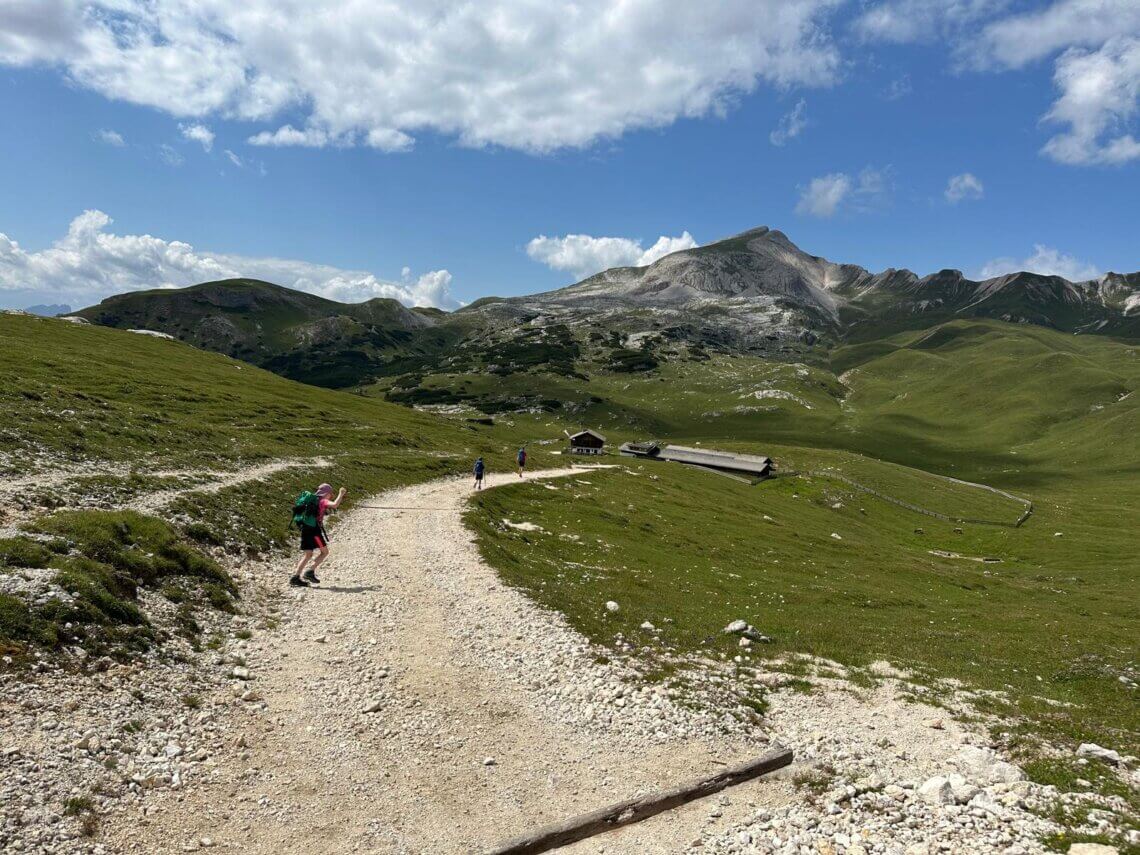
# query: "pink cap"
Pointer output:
{"type": "Point", "coordinates": [324, 489]}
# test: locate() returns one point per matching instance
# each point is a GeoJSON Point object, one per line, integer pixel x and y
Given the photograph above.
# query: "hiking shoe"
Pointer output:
{"type": "Point", "coordinates": [298, 582]}
{"type": "Point", "coordinates": [310, 576]}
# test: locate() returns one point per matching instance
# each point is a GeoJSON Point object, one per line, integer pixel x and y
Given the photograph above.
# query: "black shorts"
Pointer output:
{"type": "Point", "coordinates": [313, 538]}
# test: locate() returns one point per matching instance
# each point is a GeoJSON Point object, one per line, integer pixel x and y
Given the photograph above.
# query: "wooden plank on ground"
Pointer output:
{"type": "Point", "coordinates": [635, 810]}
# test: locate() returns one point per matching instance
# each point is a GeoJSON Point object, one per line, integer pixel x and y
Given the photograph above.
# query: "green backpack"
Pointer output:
{"type": "Point", "coordinates": [305, 510]}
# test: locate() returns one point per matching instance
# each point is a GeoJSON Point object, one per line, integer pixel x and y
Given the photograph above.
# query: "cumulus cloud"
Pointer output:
{"type": "Point", "coordinates": [826, 195]}
{"type": "Point", "coordinates": [966, 186]}
{"type": "Point", "coordinates": [1045, 260]}
{"type": "Point", "coordinates": [791, 124]}
{"type": "Point", "coordinates": [823, 196]}
{"type": "Point", "coordinates": [90, 262]}
{"type": "Point", "coordinates": [514, 73]}
{"type": "Point", "coordinates": [198, 133]}
{"type": "Point", "coordinates": [1096, 45]}
{"type": "Point", "coordinates": [904, 21]}
{"type": "Point", "coordinates": [112, 138]}
{"type": "Point", "coordinates": [1100, 96]}
{"type": "Point", "coordinates": [1017, 40]}
{"type": "Point", "coordinates": [1097, 73]}
{"type": "Point", "coordinates": [585, 255]}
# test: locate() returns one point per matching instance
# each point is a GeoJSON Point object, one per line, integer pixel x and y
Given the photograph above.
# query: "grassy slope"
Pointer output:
{"type": "Point", "coordinates": [1035, 412]}
{"type": "Point", "coordinates": [134, 405]}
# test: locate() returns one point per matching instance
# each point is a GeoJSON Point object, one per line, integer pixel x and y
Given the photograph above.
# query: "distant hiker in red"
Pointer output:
{"type": "Point", "coordinates": [309, 516]}
{"type": "Point", "coordinates": [521, 460]}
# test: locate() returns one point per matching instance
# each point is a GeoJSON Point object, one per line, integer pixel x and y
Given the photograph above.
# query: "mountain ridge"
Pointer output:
{"type": "Point", "coordinates": [756, 292]}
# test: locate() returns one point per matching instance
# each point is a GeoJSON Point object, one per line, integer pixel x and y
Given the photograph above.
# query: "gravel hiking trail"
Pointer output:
{"type": "Point", "coordinates": [416, 704]}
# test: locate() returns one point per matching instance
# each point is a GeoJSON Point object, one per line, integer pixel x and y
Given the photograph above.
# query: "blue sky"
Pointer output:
{"type": "Point", "coordinates": [426, 164]}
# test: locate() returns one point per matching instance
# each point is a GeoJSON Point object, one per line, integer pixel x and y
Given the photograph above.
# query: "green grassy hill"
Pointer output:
{"type": "Point", "coordinates": [98, 417]}
{"type": "Point", "coordinates": [293, 333]}
{"type": "Point", "coordinates": [1045, 630]}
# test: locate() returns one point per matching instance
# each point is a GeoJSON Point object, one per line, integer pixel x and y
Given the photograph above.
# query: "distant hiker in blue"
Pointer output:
{"type": "Point", "coordinates": [521, 460]}
{"type": "Point", "coordinates": [479, 467]}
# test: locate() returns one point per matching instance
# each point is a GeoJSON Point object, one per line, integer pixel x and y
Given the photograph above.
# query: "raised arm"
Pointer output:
{"type": "Point", "coordinates": [339, 498]}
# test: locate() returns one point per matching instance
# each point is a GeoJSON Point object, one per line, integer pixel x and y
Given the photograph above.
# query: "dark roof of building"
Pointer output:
{"type": "Point", "coordinates": [725, 460]}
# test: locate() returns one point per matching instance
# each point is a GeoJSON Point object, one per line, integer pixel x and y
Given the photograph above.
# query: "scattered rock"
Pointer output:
{"type": "Point", "coordinates": [1105, 755]}
{"type": "Point", "coordinates": [612, 607]}
{"type": "Point", "coordinates": [937, 791]}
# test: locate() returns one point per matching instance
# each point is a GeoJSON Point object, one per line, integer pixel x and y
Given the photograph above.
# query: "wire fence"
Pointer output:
{"type": "Point", "coordinates": [1027, 505]}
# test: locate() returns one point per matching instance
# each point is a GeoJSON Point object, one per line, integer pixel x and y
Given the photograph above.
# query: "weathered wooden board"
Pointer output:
{"type": "Point", "coordinates": [636, 810]}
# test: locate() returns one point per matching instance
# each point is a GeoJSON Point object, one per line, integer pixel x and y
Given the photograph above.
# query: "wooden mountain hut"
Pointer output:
{"type": "Point", "coordinates": [587, 442]}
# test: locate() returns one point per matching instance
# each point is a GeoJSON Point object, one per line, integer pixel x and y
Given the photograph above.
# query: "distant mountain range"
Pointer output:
{"type": "Point", "coordinates": [758, 284]}
{"type": "Point", "coordinates": [755, 293]}
{"type": "Point", "coordinates": [49, 311]}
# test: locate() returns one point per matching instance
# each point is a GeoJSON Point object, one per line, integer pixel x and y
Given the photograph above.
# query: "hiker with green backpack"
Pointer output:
{"type": "Point", "coordinates": [309, 516]}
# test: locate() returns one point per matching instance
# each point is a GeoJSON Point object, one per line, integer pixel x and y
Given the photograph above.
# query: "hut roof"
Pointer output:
{"type": "Point", "coordinates": [717, 459]}
{"type": "Point", "coordinates": [588, 432]}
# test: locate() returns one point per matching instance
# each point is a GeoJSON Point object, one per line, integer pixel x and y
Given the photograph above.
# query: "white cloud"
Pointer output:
{"type": "Point", "coordinates": [514, 73]}
{"type": "Point", "coordinates": [823, 196]}
{"type": "Point", "coordinates": [828, 194]}
{"type": "Point", "coordinates": [90, 263]}
{"type": "Point", "coordinates": [1046, 261]}
{"type": "Point", "coordinates": [585, 255]}
{"type": "Point", "coordinates": [233, 158]}
{"type": "Point", "coordinates": [1018, 40]}
{"type": "Point", "coordinates": [964, 187]}
{"type": "Point", "coordinates": [287, 135]}
{"type": "Point", "coordinates": [198, 133]}
{"type": "Point", "coordinates": [905, 21]}
{"type": "Point", "coordinates": [112, 138]}
{"type": "Point", "coordinates": [791, 125]}
{"type": "Point", "coordinates": [1097, 74]}
{"type": "Point", "coordinates": [170, 156]}
{"type": "Point", "coordinates": [1100, 95]}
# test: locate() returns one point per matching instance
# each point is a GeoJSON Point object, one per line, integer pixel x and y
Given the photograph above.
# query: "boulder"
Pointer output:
{"type": "Point", "coordinates": [1094, 751]}
{"type": "Point", "coordinates": [937, 791]}
{"type": "Point", "coordinates": [984, 766]}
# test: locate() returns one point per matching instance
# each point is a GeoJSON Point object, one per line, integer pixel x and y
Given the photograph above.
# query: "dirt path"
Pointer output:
{"type": "Point", "coordinates": [470, 741]}
{"type": "Point", "coordinates": [152, 502]}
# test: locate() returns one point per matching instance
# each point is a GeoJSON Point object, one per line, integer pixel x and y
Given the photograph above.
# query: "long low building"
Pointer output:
{"type": "Point", "coordinates": [751, 465]}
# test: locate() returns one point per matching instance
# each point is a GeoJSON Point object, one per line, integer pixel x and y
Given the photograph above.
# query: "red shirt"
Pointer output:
{"type": "Point", "coordinates": [321, 506]}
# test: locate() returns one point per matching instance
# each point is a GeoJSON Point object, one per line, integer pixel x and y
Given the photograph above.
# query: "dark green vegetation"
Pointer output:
{"type": "Point", "coordinates": [101, 560]}
{"type": "Point", "coordinates": [297, 335]}
{"type": "Point", "coordinates": [137, 408]}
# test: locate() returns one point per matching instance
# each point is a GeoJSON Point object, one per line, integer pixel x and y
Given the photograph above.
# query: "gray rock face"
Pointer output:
{"type": "Point", "coordinates": [759, 286]}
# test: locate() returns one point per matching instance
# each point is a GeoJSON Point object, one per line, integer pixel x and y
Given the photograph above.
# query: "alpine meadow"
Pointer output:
{"type": "Point", "coordinates": [563, 538]}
